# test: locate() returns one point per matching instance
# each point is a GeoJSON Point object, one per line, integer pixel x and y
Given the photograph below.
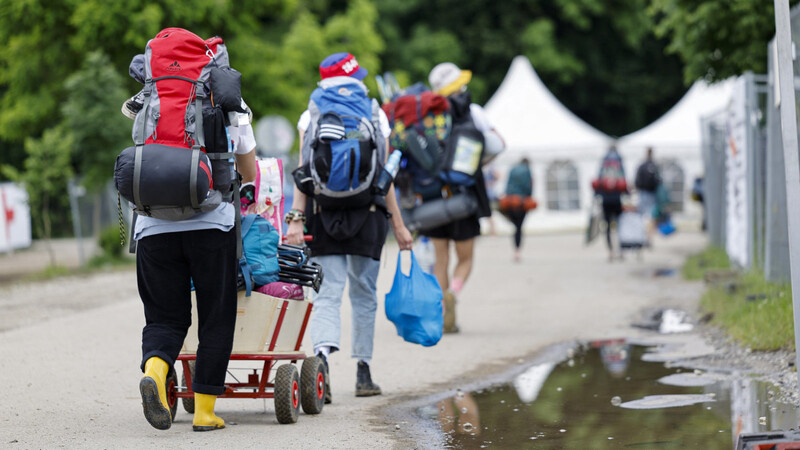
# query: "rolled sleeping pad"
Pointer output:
{"type": "Point", "coordinates": [438, 212]}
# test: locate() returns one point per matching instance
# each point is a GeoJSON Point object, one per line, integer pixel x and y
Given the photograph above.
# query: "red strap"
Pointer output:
{"type": "Point", "coordinates": [205, 168]}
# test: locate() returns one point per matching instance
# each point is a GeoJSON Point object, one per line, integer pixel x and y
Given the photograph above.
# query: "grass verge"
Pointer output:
{"type": "Point", "coordinates": [97, 263]}
{"type": "Point", "coordinates": [710, 258]}
{"type": "Point", "coordinates": [755, 312]}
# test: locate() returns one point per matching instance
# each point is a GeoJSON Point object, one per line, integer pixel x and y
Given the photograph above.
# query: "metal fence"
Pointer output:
{"type": "Point", "coordinates": [767, 242]}
{"type": "Point", "coordinates": [92, 212]}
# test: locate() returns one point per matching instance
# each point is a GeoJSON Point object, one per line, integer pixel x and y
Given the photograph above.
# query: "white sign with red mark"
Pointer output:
{"type": "Point", "coordinates": [15, 218]}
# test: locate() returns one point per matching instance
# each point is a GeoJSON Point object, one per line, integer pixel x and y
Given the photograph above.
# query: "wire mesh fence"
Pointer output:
{"type": "Point", "coordinates": [744, 185]}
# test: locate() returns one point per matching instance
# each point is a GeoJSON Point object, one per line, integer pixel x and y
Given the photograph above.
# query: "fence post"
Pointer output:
{"type": "Point", "coordinates": [74, 192]}
{"type": "Point", "coordinates": [783, 40]}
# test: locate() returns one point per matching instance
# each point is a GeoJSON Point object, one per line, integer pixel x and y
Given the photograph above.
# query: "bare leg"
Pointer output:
{"type": "Point", "coordinates": [442, 248]}
{"type": "Point", "coordinates": [464, 252]}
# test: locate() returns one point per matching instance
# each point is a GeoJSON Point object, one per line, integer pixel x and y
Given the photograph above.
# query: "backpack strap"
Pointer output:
{"type": "Point", "coordinates": [237, 221]}
{"type": "Point", "coordinates": [138, 139]}
{"type": "Point", "coordinates": [248, 276]}
{"type": "Point", "coordinates": [244, 225]}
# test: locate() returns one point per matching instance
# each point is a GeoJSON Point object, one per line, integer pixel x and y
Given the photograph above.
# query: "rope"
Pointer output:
{"type": "Point", "coordinates": [123, 235]}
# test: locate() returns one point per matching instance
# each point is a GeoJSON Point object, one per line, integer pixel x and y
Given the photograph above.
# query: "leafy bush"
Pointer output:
{"type": "Point", "coordinates": [109, 242]}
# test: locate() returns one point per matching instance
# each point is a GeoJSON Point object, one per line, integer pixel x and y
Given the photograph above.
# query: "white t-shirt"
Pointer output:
{"type": "Point", "coordinates": [305, 121]}
{"type": "Point", "coordinates": [222, 218]}
{"type": "Point", "coordinates": [479, 118]}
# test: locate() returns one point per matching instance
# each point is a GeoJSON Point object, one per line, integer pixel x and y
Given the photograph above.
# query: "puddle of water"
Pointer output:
{"type": "Point", "coordinates": [666, 321]}
{"type": "Point", "coordinates": [663, 272]}
{"type": "Point", "coordinates": [606, 396]}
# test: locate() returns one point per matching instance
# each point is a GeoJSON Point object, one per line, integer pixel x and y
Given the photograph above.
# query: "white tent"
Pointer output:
{"type": "Point", "coordinates": [534, 124]}
{"type": "Point", "coordinates": [531, 119]}
{"type": "Point", "coordinates": [677, 132]}
{"type": "Point", "coordinates": [676, 139]}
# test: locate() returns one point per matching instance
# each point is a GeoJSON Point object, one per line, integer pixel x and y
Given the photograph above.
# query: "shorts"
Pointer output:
{"type": "Point", "coordinates": [460, 230]}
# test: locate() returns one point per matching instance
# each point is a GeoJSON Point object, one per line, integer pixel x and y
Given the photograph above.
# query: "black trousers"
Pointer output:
{"type": "Point", "coordinates": [517, 217]}
{"type": "Point", "coordinates": [165, 264]}
{"type": "Point", "coordinates": [612, 208]}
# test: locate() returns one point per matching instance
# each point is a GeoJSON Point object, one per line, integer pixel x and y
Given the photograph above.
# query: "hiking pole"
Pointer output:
{"type": "Point", "coordinates": [382, 89]}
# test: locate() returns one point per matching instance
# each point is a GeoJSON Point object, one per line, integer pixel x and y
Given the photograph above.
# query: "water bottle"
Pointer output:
{"type": "Point", "coordinates": [389, 171]}
{"type": "Point", "coordinates": [425, 253]}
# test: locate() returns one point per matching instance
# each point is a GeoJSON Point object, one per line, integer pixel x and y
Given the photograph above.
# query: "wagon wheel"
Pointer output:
{"type": "Point", "coordinates": [188, 403]}
{"type": "Point", "coordinates": [172, 398]}
{"type": "Point", "coordinates": [312, 384]}
{"type": "Point", "coordinates": [287, 394]}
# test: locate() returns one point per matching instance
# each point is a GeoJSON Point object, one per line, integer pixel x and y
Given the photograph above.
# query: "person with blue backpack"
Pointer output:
{"type": "Point", "coordinates": [343, 148]}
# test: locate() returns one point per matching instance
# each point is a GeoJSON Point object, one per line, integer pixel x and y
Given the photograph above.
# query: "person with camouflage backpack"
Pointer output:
{"type": "Point", "coordinates": [462, 174]}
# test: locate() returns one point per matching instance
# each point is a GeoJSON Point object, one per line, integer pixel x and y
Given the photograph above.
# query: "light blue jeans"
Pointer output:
{"type": "Point", "coordinates": [647, 204]}
{"type": "Point", "coordinates": [326, 326]}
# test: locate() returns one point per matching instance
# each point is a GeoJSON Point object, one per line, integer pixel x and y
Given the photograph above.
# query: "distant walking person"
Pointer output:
{"type": "Point", "coordinates": [490, 178]}
{"type": "Point", "coordinates": [647, 181]}
{"type": "Point", "coordinates": [610, 185]}
{"type": "Point", "coordinates": [520, 184]}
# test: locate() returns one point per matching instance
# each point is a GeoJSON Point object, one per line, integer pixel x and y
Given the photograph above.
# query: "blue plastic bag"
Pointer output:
{"type": "Point", "coordinates": [666, 227]}
{"type": "Point", "coordinates": [414, 305]}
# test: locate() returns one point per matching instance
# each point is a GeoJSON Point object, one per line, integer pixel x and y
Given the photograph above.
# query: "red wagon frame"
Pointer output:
{"type": "Point", "coordinates": [289, 389]}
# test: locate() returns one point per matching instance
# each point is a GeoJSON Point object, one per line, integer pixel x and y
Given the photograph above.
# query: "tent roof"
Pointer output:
{"type": "Point", "coordinates": [680, 126]}
{"type": "Point", "coordinates": [531, 118]}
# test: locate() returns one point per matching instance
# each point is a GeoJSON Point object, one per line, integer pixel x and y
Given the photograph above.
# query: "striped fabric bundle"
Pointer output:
{"type": "Point", "coordinates": [331, 127]}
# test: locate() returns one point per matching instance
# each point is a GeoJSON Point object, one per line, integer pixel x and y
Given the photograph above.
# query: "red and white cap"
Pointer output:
{"type": "Point", "coordinates": [341, 65]}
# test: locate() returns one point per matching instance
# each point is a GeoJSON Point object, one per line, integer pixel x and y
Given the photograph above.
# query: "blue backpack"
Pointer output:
{"type": "Point", "coordinates": [259, 263]}
{"type": "Point", "coordinates": [342, 152]}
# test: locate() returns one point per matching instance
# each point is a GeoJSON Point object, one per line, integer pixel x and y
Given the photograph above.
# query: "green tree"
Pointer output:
{"type": "Point", "coordinates": [283, 85]}
{"type": "Point", "coordinates": [46, 41]}
{"type": "Point", "coordinates": [92, 117]}
{"type": "Point", "coordinates": [596, 56]}
{"type": "Point", "coordinates": [716, 39]}
{"type": "Point", "coordinates": [45, 175]}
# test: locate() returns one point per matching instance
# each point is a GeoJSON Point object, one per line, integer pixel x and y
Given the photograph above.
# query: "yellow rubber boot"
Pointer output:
{"type": "Point", "coordinates": [204, 417]}
{"type": "Point", "coordinates": [154, 393]}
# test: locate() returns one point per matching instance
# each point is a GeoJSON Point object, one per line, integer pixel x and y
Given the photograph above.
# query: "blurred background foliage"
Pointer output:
{"type": "Point", "coordinates": [618, 64]}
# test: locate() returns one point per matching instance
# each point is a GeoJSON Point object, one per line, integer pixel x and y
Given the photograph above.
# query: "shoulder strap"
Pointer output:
{"type": "Point", "coordinates": [247, 222]}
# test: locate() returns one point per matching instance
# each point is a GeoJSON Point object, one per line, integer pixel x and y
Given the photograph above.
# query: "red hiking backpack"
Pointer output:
{"type": "Point", "coordinates": [611, 178]}
{"type": "Point", "coordinates": [181, 164]}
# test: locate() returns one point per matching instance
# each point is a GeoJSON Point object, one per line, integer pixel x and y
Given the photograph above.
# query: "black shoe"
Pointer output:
{"type": "Point", "coordinates": [364, 385]}
{"type": "Point", "coordinates": [133, 105]}
{"type": "Point", "coordinates": [328, 397]}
